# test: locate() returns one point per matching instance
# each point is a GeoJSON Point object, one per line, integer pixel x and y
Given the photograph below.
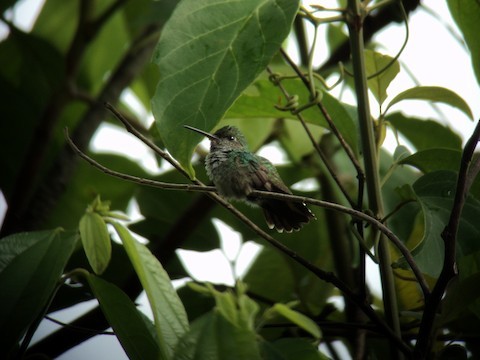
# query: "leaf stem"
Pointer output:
{"type": "Point", "coordinates": [327, 117]}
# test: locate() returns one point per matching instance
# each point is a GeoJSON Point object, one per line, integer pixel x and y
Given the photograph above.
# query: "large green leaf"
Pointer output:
{"type": "Point", "coordinates": [434, 159]}
{"type": "Point", "coordinates": [170, 317]}
{"type": "Point", "coordinates": [125, 319]}
{"type": "Point", "coordinates": [435, 94]}
{"type": "Point", "coordinates": [466, 14]}
{"type": "Point", "coordinates": [209, 52]}
{"type": "Point", "coordinates": [435, 192]}
{"type": "Point", "coordinates": [32, 264]}
{"type": "Point", "coordinates": [384, 70]}
{"type": "Point", "coordinates": [425, 134]}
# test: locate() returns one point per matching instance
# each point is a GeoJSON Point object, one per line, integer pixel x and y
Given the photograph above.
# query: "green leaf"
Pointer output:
{"type": "Point", "coordinates": [466, 14]}
{"type": "Point", "coordinates": [298, 319]}
{"type": "Point", "coordinates": [295, 140]}
{"type": "Point", "coordinates": [213, 337]}
{"type": "Point", "coordinates": [435, 94]}
{"type": "Point", "coordinates": [96, 241]}
{"type": "Point", "coordinates": [209, 52]}
{"type": "Point", "coordinates": [425, 134]}
{"type": "Point", "coordinates": [435, 192]}
{"type": "Point", "coordinates": [374, 63]}
{"type": "Point", "coordinates": [170, 317]}
{"type": "Point", "coordinates": [125, 319]}
{"type": "Point", "coordinates": [32, 264]}
{"type": "Point", "coordinates": [261, 97]}
{"type": "Point", "coordinates": [434, 159]}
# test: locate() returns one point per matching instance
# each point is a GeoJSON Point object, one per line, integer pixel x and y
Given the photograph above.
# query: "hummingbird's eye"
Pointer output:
{"type": "Point", "coordinates": [232, 138]}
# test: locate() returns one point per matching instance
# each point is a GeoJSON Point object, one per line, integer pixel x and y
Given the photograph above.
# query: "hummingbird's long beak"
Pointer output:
{"type": "Point", "coordinates": [204, 133]}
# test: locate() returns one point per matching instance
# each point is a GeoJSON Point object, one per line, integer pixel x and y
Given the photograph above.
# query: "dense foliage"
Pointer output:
{"type": "Point", "coordinates": [207, 63]}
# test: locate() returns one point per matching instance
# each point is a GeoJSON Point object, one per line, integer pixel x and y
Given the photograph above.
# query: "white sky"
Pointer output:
{"type": "Point", "coordinates": [432, 55]}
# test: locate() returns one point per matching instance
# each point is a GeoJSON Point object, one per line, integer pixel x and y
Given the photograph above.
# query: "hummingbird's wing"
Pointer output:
{"type": "Point", "coordinates": [281, 215]}
{"type": "Point", "coordinates": [266, 178]}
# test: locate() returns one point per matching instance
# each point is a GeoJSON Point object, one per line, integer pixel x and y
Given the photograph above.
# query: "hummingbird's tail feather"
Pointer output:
{"type": "Point", "coordinates": [286, 216]}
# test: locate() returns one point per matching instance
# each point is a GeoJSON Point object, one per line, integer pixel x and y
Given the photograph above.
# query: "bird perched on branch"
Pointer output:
{"type": "Point", "coordinates": [236, 172]}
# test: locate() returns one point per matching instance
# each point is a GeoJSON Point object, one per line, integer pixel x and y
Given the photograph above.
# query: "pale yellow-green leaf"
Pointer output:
{"type": "Point", "coordinates": [96, 241]}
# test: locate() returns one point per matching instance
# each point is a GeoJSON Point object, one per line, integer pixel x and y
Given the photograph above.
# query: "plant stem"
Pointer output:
{"type": "Point", "coordinates": [355, 26]}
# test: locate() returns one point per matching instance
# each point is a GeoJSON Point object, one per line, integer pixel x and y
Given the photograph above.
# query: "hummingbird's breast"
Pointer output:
{"type": "Point", "coordinates": [230, 171]}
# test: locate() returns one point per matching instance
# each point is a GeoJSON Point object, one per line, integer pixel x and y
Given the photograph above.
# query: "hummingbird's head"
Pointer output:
{"type": "Point", "coordinates": [228, 137]}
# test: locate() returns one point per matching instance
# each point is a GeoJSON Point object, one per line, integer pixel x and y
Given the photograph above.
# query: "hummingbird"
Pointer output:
{"type": "Point", "coordinates": [236, 172]}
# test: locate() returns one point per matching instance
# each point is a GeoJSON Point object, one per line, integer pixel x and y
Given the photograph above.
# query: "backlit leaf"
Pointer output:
{"type": "Point", "coordinates": [384, 70]}
{"type": "Point", "coordinates": [298, 319]}
{"type": "Point", "coordinates": [170, 317]}
{"type": "Point", "coordinates": [96, 241]}
{"type": "Point", "coordinates": [435, 94]}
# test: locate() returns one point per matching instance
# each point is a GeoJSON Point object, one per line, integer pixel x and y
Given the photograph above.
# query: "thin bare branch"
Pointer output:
{"type": "Point", "coordinates": [211, 190]}
{"type": "Point", "coordinates": [326, 115]}
{"type": "Point", "coordinates": [321, 274]}
{"type": "Point", "coordinates": [314, 142]}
